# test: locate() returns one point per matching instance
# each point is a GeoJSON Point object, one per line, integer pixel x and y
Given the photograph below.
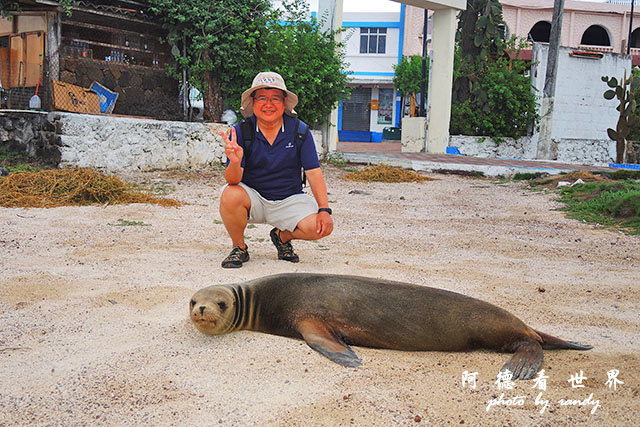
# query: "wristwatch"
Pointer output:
{"type": "Point", "coordinates": [327, 210]}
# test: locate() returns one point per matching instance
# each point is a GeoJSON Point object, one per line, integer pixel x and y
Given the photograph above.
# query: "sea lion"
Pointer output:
{"type": "Point", "coordinates": [331, 312]}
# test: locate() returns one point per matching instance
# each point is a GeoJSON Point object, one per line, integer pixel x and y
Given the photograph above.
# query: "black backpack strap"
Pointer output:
{"type": "Point", "coordinates": [246, 127]}
{"type": "Point", "coordinates": [302, 129]}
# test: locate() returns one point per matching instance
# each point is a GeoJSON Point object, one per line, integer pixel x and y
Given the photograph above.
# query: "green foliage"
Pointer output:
{"type": "Point", "coordinates": [408, 75]}
{"type": "Point", "coordinates": [609, 204]}
{"type": "Point", "coordinates": [128, 223]}
{"type": "Point", "coordinates": [222, 40]}
{"type": "Point", "coordinates": [310, 61]}
{"type": "Point", "coordinates": [17, 162]}
{"type": "Point", "coordinates": [634, 131]}
{"type": "Point", "coordinates": [7, 6]}
{"type": "Point", "coordinates": [336, 159]}
{"type": "Point", "coordinates": [526, 176]}
{"type": "Point", "coordinates": [500, 102]}
{"type": "Point", "coordinates": [627, 120]}
{"type": "Point", "coordinates": [487, 36]}
{"type": "Point", "coordinates": [623, 174]}
{"type": "Point", "coordinates": [491, 95]}
{"type": "Point", "coordinates": [230, 41]}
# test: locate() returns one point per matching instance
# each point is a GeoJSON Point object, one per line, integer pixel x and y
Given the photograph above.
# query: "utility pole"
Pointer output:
{"type": "Point", "coordinates": [545, 144]}
{"type": "Point", "coordinates": [633, 2]}
{"type": "Point", "coordinates": [423, 85]}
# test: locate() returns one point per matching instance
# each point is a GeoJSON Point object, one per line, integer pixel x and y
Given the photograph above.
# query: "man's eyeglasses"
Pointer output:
{"type": "Point", "coordinates": [275, 100]}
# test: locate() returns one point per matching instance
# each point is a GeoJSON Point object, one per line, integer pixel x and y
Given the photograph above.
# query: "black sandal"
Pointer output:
{"type": "Point", "coordinates": [236, 258]}
{"type": "Point", "coordinates": [285, 250]}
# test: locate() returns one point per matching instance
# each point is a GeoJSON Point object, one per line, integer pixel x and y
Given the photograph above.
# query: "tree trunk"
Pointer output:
{"type": "Point", "coordinates": [212, 99]}
{"type": "Point", "coordinates": [621, 151]}
{"type": "Point", "coordinates": [468, 49]}
{"type": "Point", "coordinates": [468, 21]}
{"type": "Point", "coordinates": [413, 105]}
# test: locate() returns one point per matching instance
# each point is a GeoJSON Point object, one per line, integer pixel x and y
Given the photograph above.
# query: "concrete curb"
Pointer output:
{"type": "Point", "coordinates": [430, 166]}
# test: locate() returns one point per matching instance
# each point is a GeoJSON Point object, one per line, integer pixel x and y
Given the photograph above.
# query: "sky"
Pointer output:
{"type": "Point", "coordinates": [364, 5]}
{"type": "Point", "coordinates": [378, 5]}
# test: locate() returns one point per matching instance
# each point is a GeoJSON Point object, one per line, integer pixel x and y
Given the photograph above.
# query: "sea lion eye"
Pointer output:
{"type": "Point", "coordinates": [193, 302]}
{"type": "Point", "coordinates": [222, 305]}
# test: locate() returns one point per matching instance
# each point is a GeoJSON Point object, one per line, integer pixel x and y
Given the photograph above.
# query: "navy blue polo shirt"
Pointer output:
{"type": "Point", "coordinates": [274, 170]}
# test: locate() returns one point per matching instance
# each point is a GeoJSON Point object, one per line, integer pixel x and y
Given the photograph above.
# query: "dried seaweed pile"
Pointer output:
{"type": "Point", "coordinates": [70, 187]}
{"type": "Point", "coordinates": [384, 173]}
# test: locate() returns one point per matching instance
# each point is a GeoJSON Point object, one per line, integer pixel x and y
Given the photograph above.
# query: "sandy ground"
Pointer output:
{"type": "Point", "coordinates": [95, 330]}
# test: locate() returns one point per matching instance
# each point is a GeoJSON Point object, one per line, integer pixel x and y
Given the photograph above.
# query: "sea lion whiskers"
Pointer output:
{"type": "Point", "coordinates": [211, 310]}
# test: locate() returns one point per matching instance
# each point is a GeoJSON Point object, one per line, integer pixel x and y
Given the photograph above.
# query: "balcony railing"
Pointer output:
{"type": "Point", "coordinates": [597, 48]}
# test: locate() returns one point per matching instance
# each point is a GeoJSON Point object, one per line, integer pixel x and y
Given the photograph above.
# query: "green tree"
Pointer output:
{"type": "Point", "coordinates": [408, 77]}
{"type": "Point", "coordinates": [627, 118]}
{"type": "Point", "coordinates": [491, 94]}
{"type": "Point", "coordinates": [14, 5]}
{"type": "Point", "coordinates": [221, 44]}
{"type": "Point", "coordinates": [500, 102]}
{"type": "Point", "coordinates": [309, 60]}
{"type": "Point", "coordinates": [634, 133]}
{"type": "Point", "coordinates": [479, 36]}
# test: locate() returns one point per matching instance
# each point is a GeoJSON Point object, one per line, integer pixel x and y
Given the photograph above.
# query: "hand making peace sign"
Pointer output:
{"type": "Point", "coordinates": [233, 151]}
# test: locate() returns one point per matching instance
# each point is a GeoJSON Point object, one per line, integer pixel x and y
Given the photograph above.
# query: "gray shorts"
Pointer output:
{"type": "Point", "coordinates": [284, 214]}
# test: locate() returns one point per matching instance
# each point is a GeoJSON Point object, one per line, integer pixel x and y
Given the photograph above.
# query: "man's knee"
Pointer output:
{"type": "Point", "coordinates": [234, 195]}
{"type": "Point", "coordinates": [308, 228]}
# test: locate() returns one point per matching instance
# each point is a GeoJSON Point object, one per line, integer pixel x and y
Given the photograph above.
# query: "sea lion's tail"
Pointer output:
{"type": "Point", "coordinates": [550, 342]}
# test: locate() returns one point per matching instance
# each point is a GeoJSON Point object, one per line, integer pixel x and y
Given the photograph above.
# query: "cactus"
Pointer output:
{"type": "Point", "coordinates": [627, 106]}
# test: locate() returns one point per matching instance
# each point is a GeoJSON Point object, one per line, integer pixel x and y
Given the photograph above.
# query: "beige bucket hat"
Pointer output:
{"type": "Point", "coordinates": [269, 80]}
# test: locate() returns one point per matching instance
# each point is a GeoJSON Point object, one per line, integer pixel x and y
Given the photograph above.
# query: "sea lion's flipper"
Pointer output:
{"type": "Point", "coordinates": [526, 361]}
{"type": "Point", "coordinates": [318, 337]}
{"type": "Point", "coordinates": [549, 342]}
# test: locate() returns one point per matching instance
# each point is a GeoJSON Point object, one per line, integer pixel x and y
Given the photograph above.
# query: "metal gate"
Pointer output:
{"type": "Point", "coordinates": [356, 110]}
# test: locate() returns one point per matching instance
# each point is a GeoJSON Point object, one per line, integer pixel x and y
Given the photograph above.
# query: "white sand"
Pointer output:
{"type": "Point", "coordinates": [95, 330]}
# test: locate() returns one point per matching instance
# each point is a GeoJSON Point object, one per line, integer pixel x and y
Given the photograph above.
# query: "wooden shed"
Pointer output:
{"type": "Point", "coordinates": [115, 43]}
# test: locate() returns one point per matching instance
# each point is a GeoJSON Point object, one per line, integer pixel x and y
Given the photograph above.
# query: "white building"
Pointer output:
{"type": "Point", "coordinates": [374, 44]}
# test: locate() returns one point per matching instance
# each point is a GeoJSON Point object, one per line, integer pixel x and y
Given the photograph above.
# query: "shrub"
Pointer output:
{"type": "Point", "coordinates": [501, 103]}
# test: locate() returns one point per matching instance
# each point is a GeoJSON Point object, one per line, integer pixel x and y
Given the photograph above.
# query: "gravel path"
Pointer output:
{"type": "Point", "coordinates": [95, 325]}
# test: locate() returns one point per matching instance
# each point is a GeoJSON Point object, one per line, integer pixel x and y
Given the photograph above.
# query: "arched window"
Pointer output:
{"type": "Point", "coordinates": [635, 38]}
{"type": "Point", "coordinates": [540, 32]}
{"type": "Point", "coordinates": [596, 36]}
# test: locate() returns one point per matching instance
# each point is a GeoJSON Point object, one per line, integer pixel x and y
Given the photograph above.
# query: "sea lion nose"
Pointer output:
{"type": "Point", "coordinates": [202, 307]}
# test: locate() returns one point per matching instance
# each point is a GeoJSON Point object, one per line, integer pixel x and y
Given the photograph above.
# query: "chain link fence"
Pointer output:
{"type": "Point", "coordinates": [24, 86]}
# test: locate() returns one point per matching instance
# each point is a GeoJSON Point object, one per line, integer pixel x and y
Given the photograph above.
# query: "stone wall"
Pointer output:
{"type": "Point", "coordinates": [573, 151]}
{"type": "Point", "coordinates": [122, 143]}
{"type": "Point", "coordinates": [31, 132]}
{"type": "Point", "coordinates": [110, 143]}
{"type": "Point", "coordinates": [142, 91]}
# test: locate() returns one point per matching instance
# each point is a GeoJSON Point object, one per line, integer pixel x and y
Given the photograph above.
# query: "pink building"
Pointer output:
{"type": "Point", "coordinates": [585, 25]}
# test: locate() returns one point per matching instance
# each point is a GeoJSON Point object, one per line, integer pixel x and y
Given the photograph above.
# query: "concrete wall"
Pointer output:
{"type": "Point", "coordinates": [580, 112]}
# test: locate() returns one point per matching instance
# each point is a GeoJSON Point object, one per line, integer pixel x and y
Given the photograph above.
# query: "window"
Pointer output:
{"type": "Point", "coordinates": [373, 40]}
